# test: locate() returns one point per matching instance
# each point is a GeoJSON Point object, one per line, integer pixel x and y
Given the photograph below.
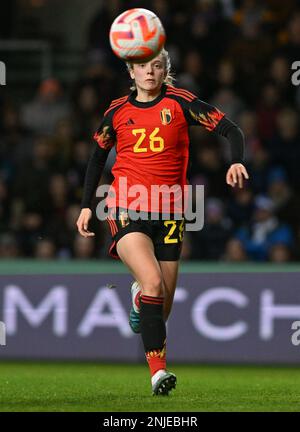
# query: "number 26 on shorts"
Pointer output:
{"type": "Point", "coordinates": [171, 236]}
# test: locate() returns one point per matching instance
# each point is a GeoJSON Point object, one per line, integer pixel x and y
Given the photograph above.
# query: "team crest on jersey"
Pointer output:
{"type": "Point", "coordinates": [165, 116]}
{"type": "Point", "coordinates": [124, 218]}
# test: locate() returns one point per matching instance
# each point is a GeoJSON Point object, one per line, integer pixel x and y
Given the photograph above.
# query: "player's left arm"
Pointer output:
{"type": "Point", "coordinates": [237, 170]}
{"type": "Point", "coordinates": [213, 120]}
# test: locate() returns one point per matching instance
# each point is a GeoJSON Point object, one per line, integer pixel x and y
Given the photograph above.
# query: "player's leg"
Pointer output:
{"type": "Point", "coordinates": [169, 270]}
{"type": "Point", "coordinates": [167, 253]}
{"type": "Point", "coordinates": [167, 246]}
{"type": "Point", "coordinates": [137, 252]}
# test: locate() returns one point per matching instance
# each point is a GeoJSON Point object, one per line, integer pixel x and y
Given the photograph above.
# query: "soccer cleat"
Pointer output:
{"type": "Point", "coordinates": [163, 382]}
{"type": "Point", "coordinates": [134, 315]}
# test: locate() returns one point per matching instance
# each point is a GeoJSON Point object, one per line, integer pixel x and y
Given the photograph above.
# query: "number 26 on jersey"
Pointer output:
{"type": "Point", "coordinates": [155, 143]}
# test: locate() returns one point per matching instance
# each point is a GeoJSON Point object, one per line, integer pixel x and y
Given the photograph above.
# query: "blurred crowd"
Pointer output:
{"type": "Point", "coordinates": [236, 55]}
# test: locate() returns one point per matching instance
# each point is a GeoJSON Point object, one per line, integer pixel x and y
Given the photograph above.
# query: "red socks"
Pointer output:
{"type": "Point", "coordinates": [157, 359]}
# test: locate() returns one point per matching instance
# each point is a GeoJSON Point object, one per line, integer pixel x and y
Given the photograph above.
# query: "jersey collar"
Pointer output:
{"type": "Point", "coordinates": [133, 101]}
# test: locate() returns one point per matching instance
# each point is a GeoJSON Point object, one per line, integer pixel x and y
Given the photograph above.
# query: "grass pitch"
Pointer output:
{"type": "Point", "coordinates": [29, 386]}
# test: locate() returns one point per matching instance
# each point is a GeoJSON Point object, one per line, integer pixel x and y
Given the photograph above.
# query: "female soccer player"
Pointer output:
{"type": "Point", "coordinates": [150, 130]}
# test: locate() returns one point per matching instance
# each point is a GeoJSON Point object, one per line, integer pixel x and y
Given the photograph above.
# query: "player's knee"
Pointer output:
{"type": "Point", "coordinates": [153, 286]}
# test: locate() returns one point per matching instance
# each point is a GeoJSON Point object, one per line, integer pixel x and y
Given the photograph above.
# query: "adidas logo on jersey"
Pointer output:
{"type": "Point", "coordinates": [129, 122]}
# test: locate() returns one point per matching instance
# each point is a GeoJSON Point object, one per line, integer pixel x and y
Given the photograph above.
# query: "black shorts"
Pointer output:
{"type": "Point", "coordinates": [166, 234]}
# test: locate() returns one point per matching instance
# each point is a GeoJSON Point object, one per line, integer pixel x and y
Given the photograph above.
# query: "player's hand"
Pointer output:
{"type": "Point", "coordinates": [236, 174]}
{"type": "Point", "coordinates": [83, 222]}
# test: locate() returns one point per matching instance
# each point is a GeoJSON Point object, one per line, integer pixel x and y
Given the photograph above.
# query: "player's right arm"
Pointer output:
{"type": "Point", "coordinates": [105, 139]}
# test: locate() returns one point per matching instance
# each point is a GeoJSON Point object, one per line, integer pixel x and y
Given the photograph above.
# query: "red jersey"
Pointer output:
{"type": "Point", "coordinates": [152, 146]}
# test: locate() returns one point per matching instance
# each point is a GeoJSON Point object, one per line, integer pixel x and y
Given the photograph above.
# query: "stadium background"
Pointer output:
{"type": "Point", "coordinates": [60, 77]}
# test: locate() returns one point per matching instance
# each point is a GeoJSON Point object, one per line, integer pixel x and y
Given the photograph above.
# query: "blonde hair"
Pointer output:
{"type": "Point", "coordinates": [169, 78]}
